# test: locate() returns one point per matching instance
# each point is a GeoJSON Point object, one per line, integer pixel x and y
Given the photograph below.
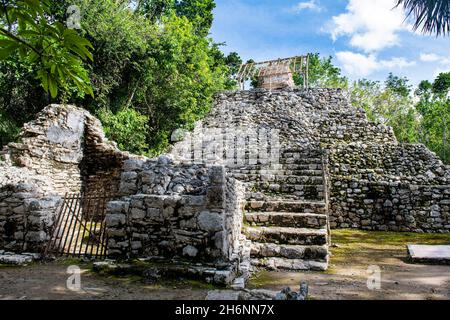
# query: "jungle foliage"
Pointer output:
{"type": "Point", "coordinates": [129, 61]}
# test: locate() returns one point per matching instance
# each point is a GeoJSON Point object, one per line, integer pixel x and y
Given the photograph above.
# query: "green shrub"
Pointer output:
{"type": "Point", "coordinates": [8, 130]}
{"type": "Point", "coordinates": [127, 127]}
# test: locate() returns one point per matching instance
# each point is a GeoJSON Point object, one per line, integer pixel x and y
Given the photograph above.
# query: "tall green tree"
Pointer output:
{"type": "Point", "coordinates": [56, 53]}
{"type": "Point", "coordinates": [323, 73]}
{"type": "Point", "coordinates": [154, 9]}
{"type": "Point", "coordinates": [390, 104]}
{"type": "Point", "coordinates": [199, 12]}
{"type": "Point", "coordinates": [434, 109]}
{"type": "Point", "coordinates": [158, 67]}
{"type": "Point", "coordinates": [398, 85]}
{"type": "Point", "coordinates": [441, 86]}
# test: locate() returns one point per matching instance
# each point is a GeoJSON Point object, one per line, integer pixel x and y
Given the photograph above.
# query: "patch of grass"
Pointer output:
{"type": "Point", "coordinates": [75, 261]}
{"type": "Point", "coordinates": [261, 279]}
{"type": "Point", "coordinates": [358, 244]}
{"type": "Point", "coordinates": [349, 236]}
{"type": "Point", "coordinates": [129, 278]}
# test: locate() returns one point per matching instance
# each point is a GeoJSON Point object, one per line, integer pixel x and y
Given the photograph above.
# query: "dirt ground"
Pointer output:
{"type": "Point", "coordinates": [353, 253]}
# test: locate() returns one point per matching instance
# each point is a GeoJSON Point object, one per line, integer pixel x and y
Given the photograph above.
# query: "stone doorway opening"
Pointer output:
{"type": "Point", "coordinates": [80, 228]}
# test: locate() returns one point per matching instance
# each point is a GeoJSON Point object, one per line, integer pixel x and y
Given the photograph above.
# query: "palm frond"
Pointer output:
{"type": "Point", "coordinates": [432, 15]}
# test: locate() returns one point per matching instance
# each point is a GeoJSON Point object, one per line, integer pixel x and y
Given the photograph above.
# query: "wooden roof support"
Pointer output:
{"type": "Point", "coordinates": [297, 64]}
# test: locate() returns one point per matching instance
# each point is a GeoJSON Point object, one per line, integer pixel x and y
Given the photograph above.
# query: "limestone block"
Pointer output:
{"type": "Point", "coordinates": [210, 221]}
{"type": "Point", "coordinates": [115, 219]}
{"type": "Point", "coordinates": [190, 251]}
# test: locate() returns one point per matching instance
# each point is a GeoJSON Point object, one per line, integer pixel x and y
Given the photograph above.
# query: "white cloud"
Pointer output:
{"type": "Point", "coordinates": [308, 5]}
{"type": "Point", "coordinates": [429, 57]}
{"type": "Point", "coordinates": [432, 57]}
{"type": "Point", "coordinates": [398, 63]}
{"type": "Point", "coordinates": [357, 64]}
{"type": "Point", "coordinates": [372, 25]}
{"type": "Point", "coordinates": [360, 65]}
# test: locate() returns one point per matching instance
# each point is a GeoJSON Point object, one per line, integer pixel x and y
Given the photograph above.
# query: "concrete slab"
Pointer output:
{"type": "Point", "coordinates": [435, 254]}
{"type": "Point", "coordinates": [222, 295]}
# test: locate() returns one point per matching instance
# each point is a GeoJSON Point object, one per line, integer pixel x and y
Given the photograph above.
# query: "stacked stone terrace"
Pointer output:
{"type": "Point", "coordinates": [261, 179]}
{"type": "Point", "coordinates": [335, 169]}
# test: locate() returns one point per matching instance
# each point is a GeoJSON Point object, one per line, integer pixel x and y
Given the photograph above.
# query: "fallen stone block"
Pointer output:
{"type": "Point", "coordinates": [432, 254]}
{"type": "Point", "coordinates": [16, 259]}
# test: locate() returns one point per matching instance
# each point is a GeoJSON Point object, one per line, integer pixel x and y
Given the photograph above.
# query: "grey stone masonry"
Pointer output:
{"type": "Point", "coordinates": [64, 150]}
{"type": "Point", "coordinates": [171, 212]}
{"type": "Point", "coordinates": [332, 169]}
{"type": "Point", "coordinates": [257, 184]}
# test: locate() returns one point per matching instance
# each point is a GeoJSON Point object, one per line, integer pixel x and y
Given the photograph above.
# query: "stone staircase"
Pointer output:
{"type": "Point", "coordinates": [285, 214]}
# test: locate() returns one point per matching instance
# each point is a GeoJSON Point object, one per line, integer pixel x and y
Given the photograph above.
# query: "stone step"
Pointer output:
{"type": "Point", "coordinates": [258, 168]}
{"type": "Point", "coordinates": [278, 172]}
{"type": "Point", "coordinates": [299, 166]}
{"type": "Point", "coordinates": [284, 235]}
{"type": "Point", "coordinates": [300, 150]}
{"type": "Point", "coordinates": [305, 160]}
{"type": "Point", "coordinates": [264, 250]}
{"type": "Point", "coordinates": [286, 206]}
{"type": "Point", "coordinates": [288, 187]}
{"type": "Point", "coordinates": [280, 179]}
{"type": "Point", "coordinates": [286, 219]}
{"type": "Point", "coordinates": [298, 196]}
{"type": "Point", "coordinates": [300, 155]}
{"type": "Point", "coordinates": [275, 263]}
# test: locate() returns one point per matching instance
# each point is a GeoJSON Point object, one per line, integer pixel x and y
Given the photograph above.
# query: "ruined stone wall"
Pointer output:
{"type": "Point", "coordinates": [102, 162]}
{"type": "Point", "coordinates": [389, 187]}
{"type": "Point", "coordinates": [63, 150]}
{"type": "Point", "coordinates": [375, 182]}
{"type": "Point", "coordinates": [168, 211]}
{"type": "Point", "coordinates": [51, 146]}
{"type": "Point", "coordinates": [26, 209]}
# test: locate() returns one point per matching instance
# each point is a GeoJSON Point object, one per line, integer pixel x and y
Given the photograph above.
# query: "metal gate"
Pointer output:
{"type": "Point", "coordinates": [79, 229]}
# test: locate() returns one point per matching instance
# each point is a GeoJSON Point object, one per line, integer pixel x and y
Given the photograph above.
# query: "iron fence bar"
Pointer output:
{"type": "Point", "coordinates": [64, 230]}
{"type": "Point", "coordinates": [72, 230]}
{"type": "Point", "coordinates": [90, 229]}
{"type": "Point", "coordinates": [57, 229]}
{"type": "Point", "coordinates": [70, 214]}
{"type": "Point", "coordinates": [85, 205]}
{"type": "Point", "coordinates": [71, 224]}
{"type": "Point", "coordinates": [100, 246]}
{"type": "Point", "coordinates": [80, 220]}
{"type": "Point", "coordinates": [55, 226]}
{"type": "Point", "coordinates": [77, 219]}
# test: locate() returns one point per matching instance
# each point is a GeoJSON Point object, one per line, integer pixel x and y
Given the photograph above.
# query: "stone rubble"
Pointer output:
{"type": "Point", "coordinates": [17, 259]}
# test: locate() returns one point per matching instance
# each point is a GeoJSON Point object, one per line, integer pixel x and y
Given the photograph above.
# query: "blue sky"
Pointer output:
{"type": "Point", "coordinates": [365, 37]}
